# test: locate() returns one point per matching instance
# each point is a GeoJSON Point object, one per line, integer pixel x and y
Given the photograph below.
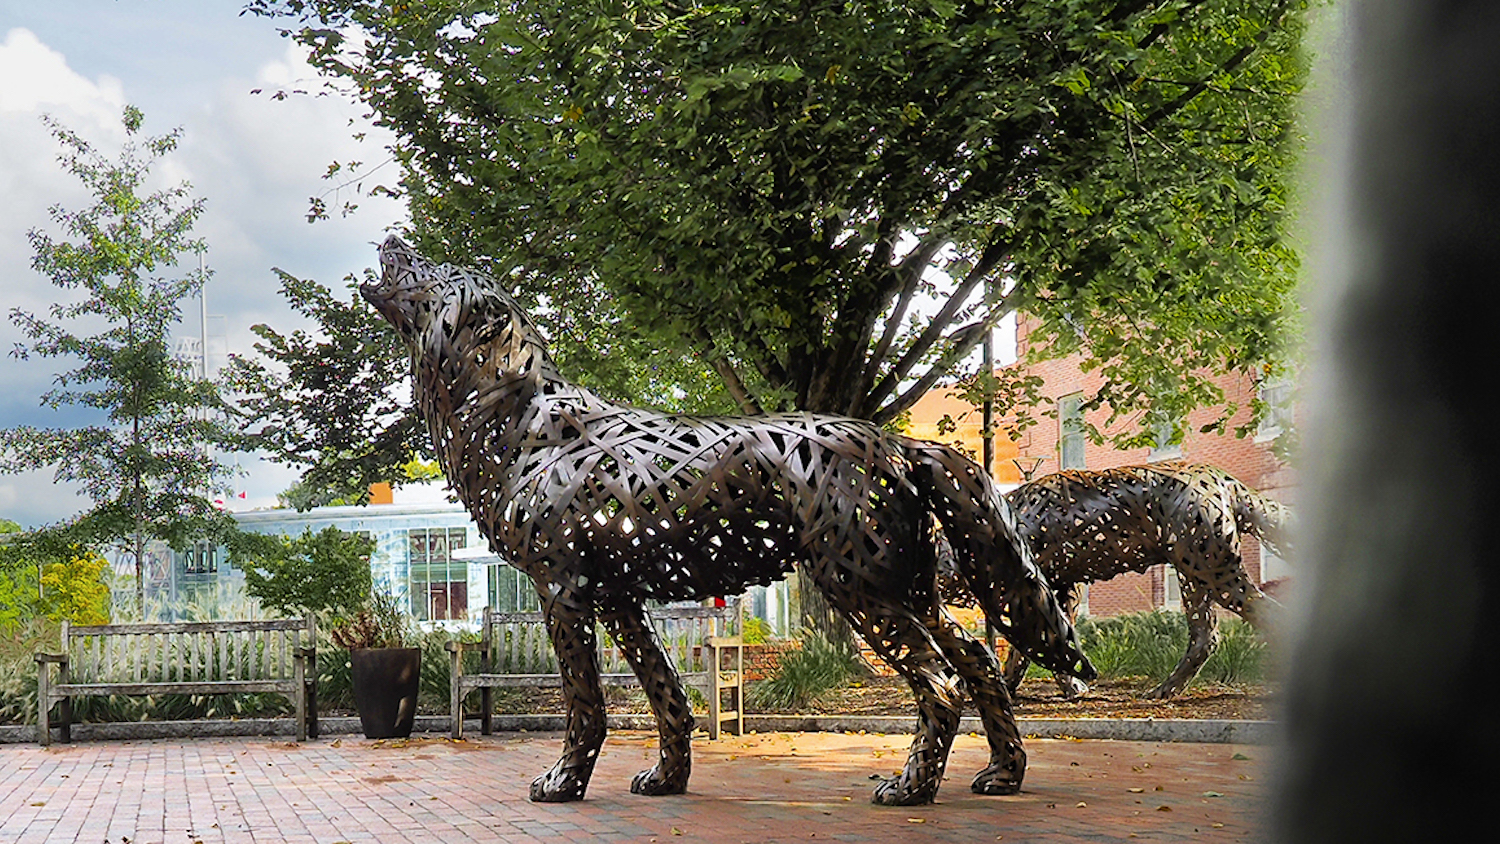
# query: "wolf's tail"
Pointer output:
{"type": "Point", "coordinates": [992, 561]}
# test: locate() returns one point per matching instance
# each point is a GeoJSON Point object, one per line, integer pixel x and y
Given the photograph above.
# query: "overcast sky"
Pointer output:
{"type": "Point", "coordinates": [256, 161]}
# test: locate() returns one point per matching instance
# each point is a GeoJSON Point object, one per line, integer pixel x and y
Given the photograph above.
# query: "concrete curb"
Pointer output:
{"type": "Point", "coordinates": [1114, 729]}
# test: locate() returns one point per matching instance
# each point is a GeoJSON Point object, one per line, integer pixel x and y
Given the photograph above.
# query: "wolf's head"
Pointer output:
{"type": "Point", "coordinates": [410, 290]}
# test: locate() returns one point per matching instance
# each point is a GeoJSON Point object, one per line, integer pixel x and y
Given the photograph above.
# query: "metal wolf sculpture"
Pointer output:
{"type": "Point", "coordinates": [1087, 526]}
{"type": "Point", "coordinates": [606, 507]}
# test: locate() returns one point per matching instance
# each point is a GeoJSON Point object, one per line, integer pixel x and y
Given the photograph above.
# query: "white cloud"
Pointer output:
{"type": "Point", "coordinates": [258, 161]}
{"type": "Point", "coordinates": [32, 499]}
{"type": "Point", "coordinates": [254, 159]}
{"type": "Point", "coordinates": [37, 79]}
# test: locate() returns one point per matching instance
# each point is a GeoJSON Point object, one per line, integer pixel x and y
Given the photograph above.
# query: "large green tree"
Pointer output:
{"type": "Point", "coordinates": [144, 449]}
{"type": "Point", "coordinates": [828, 203]}
{"type": "Point", "coordinates": [777, 185]}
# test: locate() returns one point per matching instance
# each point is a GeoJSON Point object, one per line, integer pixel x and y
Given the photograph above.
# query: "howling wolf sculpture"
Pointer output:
{"type": "Point", "coordinates": [606, 507]}
{"type": "Point", "coordinates": [1089, 526]}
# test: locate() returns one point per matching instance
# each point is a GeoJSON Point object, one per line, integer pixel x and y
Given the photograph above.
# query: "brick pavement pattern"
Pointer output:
{"type": "Point", "coordinates": [777, 787]}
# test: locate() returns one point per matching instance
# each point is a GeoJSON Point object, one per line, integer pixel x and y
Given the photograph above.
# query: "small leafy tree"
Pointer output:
{"type": "Point", "coordinates": [75, 589]}
{"type": "Point", "coordinates": [146, 462]}
{"type": "Point", "coordinates": [328, 571]}
{"type": "Point", "coordinates": [46, 574]}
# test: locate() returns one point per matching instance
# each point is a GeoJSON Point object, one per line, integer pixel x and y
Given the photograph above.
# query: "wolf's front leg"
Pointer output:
{"type": "Point", "coordinates": [570, 624]}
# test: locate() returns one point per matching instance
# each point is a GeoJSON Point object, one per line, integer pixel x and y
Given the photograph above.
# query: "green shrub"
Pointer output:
{"type": "Point", "coordinates": [44, 575]}
{"type": "Point", "coordinates": [316, 572]}
{"type": "Point", "coordinates": [432, 691]}
{"type": "Point", "coordinates": [1150, 644]}
{"type": "Point", "coordinates": [755, 631]}
{"type": "Point", "coordinates": [1146, 644]}
{"type": "Point", "coordinates": [806, 674]}
{"type": "Point", "coordinates": [1241, 658]}
{"type": "Point", "coordinates": [17, 670]}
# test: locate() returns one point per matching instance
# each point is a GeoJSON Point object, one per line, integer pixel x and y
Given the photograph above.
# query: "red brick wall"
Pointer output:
{"type": "Point", "coordinates": [761, 661]}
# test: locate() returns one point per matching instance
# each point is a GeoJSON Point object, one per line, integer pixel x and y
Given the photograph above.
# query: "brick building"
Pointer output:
{"type": "Point", "coordinates": [1056, 442]}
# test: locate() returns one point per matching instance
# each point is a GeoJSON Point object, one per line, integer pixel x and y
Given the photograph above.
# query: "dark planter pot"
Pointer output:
{"type": "Point", "coordinates": [385, 689]}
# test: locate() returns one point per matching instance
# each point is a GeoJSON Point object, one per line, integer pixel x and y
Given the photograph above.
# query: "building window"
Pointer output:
{"type": "Point", "coordinates": [511, 591]}
{"type": "Point", "coordinates": [771, 604]}
{"type": "Point", "coordinates": [439, 583]}
{"type": "Point", "coordinates": [1276, 394]}
{"type": "Point", "coordinates": [1272, 566]}
{"type": "Point", "coordinates": [200, 558]}
{"type": "Point", "coordinates": [1070, 439]}
{"type": "Point", "coordinates": [1163, 430]}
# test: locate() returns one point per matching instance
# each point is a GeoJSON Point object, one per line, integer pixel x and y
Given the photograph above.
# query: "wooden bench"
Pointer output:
{"type": "Point", "coordinates": [193, 658]}
{"type": "Point", "coordinates": [514, 650]}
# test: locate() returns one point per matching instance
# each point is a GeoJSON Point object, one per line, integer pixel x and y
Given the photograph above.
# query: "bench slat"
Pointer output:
{"type": "Point", "coordinates": [470, 682]}
{"type": "Point", "coordinates": [220, 687]}
{"type": "Point", "coordinates": [184, 627]}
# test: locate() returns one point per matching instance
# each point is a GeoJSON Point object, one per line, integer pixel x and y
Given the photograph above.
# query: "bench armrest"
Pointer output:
{"type": "Point", "coordinates": [55, 659]}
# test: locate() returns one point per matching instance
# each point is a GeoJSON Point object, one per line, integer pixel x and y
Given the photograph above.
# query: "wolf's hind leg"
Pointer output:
{"type": "Point", "coordinates": [982, 674]}
{"type": "Point", "coordinates": [674, 716]}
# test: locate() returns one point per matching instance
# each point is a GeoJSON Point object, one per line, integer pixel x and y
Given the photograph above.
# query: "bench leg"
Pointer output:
{"type": "Point", "coordinates": [310, 683]}
{"type": "Point", "coordinates": [715, 705]}
{"type": "Point", "coordinates": [65, 720]}
{"type": "Point", "coordinates": [456, 694]}
{"type": "Point", "coordinates": [43, 705]}
{"type": "Point", "coordinates": [312, 710]}
{"type": "Point", "coordinates": [487, 716]}
{"type": "Point", "coordinates": [737, 692]}
{"type": "Point", "coordinates": [299, 697]}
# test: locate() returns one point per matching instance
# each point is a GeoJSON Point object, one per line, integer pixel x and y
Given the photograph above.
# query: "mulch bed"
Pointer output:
{"type": "Point", "coordinates": [1037, 698]}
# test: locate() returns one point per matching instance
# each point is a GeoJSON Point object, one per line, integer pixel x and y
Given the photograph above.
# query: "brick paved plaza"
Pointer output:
{"type": "Point", "coordinates": [756, 788]}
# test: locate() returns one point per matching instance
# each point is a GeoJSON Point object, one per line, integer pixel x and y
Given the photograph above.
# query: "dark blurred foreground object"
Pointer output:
{"type": "Point", "coordinates": [1389, 736]}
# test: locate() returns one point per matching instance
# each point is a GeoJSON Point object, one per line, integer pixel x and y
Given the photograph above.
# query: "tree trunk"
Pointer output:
{"type": "Point", "coordinates": [815, 615]}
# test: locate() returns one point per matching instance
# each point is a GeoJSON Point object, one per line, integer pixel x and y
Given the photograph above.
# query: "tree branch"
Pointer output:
{"type": "Point", "coordinates": [966, 339]}
{"type": "Point", "coordinates": [993, 253]}
{"type": "Point", "coordinates": [728, 374]}
{"type": "Point", "coordinates": [1235, 60]}
{"type": "Point", "coordinates": [911, 269]}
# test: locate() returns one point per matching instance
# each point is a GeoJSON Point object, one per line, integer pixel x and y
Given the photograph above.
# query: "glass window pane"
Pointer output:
{"type": "Point", "coordinates": [458, 600]}
{"type": "Point", "coordinates": [1071, 454]}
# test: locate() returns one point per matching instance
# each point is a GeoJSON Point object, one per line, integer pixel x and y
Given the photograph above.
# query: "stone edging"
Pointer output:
{"type": "Point", "coordinates": [1116, 729]}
